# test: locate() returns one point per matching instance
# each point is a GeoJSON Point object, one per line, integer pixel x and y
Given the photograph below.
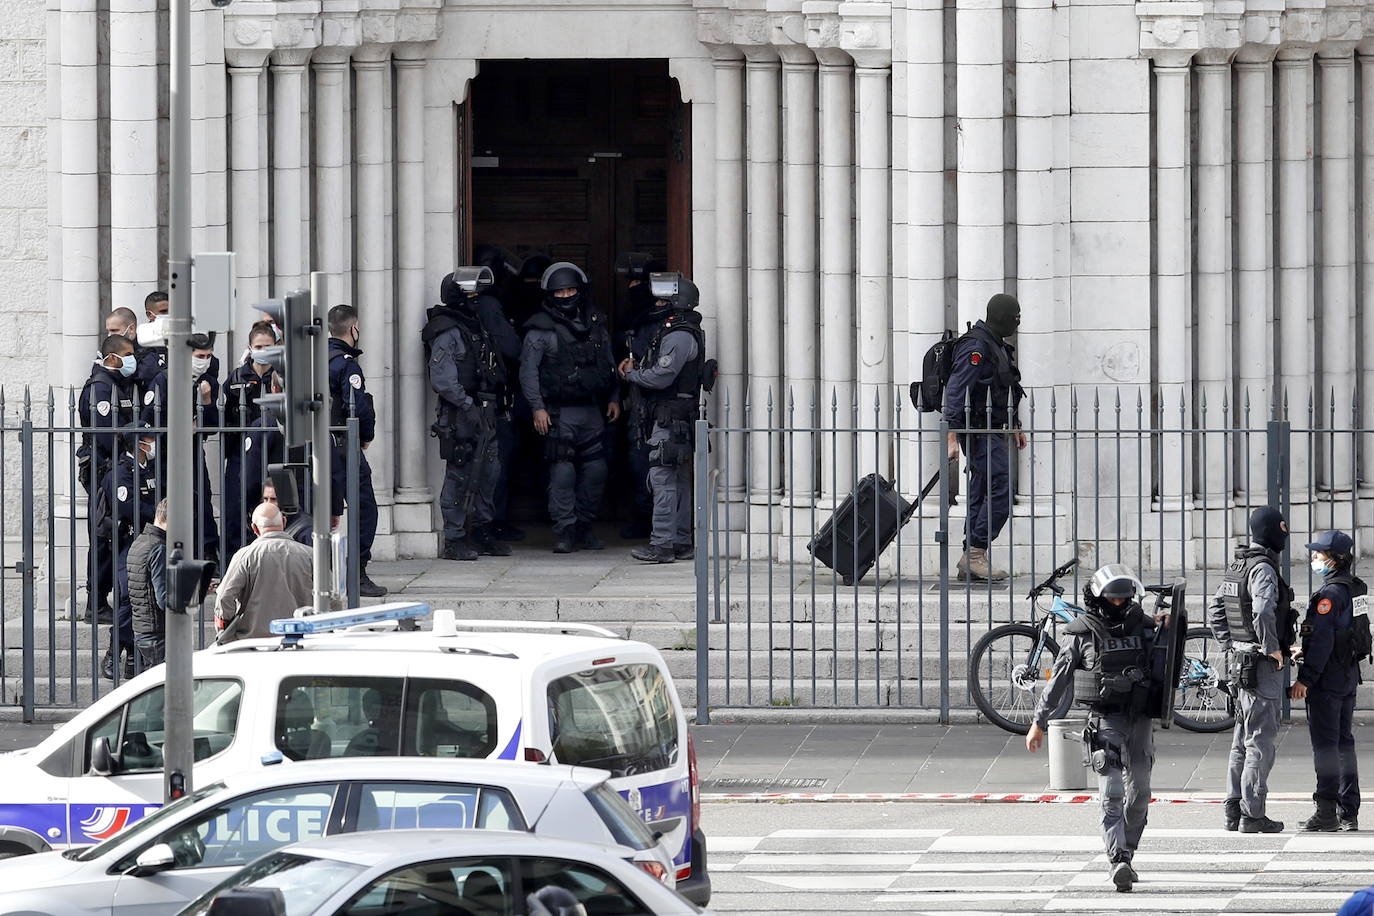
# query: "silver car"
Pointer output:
{"type": "Point", "coordinates": [449, 872]}
{"type": "Point", "coordinates": [177, 853]}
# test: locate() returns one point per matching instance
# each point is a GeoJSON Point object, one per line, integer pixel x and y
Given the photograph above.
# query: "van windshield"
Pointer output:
{"type": "Point", "coordinates": [617, 718]}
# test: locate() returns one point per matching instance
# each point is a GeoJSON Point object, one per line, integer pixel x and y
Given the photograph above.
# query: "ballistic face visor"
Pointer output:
{"type": "Point", "coordinates": [665, 286]}
{"type": "Point", "coordinates": [473, 279]}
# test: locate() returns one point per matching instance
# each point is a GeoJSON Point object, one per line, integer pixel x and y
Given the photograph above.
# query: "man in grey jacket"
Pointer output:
{"type": "Point", "coordinates": [266, 580]}
{"type": "Point", "coordinates": [147, 565]}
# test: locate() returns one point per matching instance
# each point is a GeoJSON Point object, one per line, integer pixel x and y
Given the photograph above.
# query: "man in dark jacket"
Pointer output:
{"type": "Point", "coordinates": [349, 397]}
{"type": "Point", "coordinates": [147, 565]}
{"type": "Point", "coordinates": [131, 488]}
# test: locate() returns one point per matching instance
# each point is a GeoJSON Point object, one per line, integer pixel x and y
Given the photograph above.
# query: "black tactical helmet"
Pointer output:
{"type": "Point", "coordinates": [1115, 580]}
{"type": "Point", "coordinates": [676, 289]}
{"type": "Point", "coordinates": [562, 275]}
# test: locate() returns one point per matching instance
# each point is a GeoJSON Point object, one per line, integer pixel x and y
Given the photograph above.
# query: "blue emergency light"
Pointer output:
{"type": "Point", "coordinates": [353, 617]}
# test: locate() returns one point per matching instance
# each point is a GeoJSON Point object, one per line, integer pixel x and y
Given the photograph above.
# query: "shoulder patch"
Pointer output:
{"type": "Point", "coordinates": [148, 396]}
{"type": "Point", "coordinates": [1324, 606]}
{"type": "Point", "coordinates": [355, 380]}
{"type": "Point", "coordinates": [665, 361]}
{"type": "Point", "coordinates": [103, 408]}
{"type": "Point", "coordinates": [122, 494]}
{"type": "Point", "coordinates": [975, 358]}
{"type": "Point", "coordinates": [248, 443]}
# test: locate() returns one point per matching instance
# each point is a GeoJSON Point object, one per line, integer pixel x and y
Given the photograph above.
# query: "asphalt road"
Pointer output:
{"type": "Point", "coordinates": [920, 857]}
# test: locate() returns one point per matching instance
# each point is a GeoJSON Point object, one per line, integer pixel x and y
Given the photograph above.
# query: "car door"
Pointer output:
{"type": "Point", "coordinates": [480, 886]}
{"type": "Point", "coordinates": [218, 841]}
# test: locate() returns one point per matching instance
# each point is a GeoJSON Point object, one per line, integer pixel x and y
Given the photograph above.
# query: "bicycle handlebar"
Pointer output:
{"type": "Point", "coordinates": [1049, 584]}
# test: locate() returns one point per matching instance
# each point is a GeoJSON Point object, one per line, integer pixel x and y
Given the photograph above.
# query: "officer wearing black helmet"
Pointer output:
{"type": "Point", "coordinates": [1251, 616]}
{"type": "Point", "coordinates": [1109, 666]}
{"type": "Point", "coordinates": [1334, 637]}
{"type": "Point", "coordinates": [670, 378]}
{"type": "Point", "coordinates": [646, 315]}
{"type": "Point", "coordinates": [568, 374]}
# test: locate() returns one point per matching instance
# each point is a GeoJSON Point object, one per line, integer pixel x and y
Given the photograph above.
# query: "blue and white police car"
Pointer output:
{"type": "Point", "coordinates": [349, 684]}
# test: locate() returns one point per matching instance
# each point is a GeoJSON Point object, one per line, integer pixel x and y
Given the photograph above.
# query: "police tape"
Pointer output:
{"type": "Point", "coordinates": [1042, 798]}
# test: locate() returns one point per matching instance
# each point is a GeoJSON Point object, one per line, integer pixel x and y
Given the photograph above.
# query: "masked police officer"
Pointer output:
{"type": "Point", "coordinates": [983, 393]}
{"type": "Point", "coordinates": [241, 411]}
{"type": "Point", "coordinates": [1328, 676]}
{"type": "Point", "coordinates": [1251, 617]}
{"type": "Point", "coordinates": [646, 314]}
{"type": "Point", "coordinates": [1108, 664]}
{"type": "Point", "coordinates": [152, 359]}
{"type": "Point", "coordinates": [669, 380]}
{"type": "Point", "coordinates": [568, 374]}
{"type": "Point", "coordinates": [348, 396]}
{"type": "Point", "coordinates": [469, 376]}
{"type": "Point", "coordinates": [131, 487]}
{"type": "Point", "coordinates": [108, 400]}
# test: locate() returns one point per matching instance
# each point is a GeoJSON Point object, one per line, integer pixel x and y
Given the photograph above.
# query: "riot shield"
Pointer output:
{"type": "Point", "coordinates": [1168, 661]}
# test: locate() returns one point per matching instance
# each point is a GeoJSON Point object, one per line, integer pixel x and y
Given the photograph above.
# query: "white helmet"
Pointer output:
{"type": "Point", "coordinates": [1115, 580]}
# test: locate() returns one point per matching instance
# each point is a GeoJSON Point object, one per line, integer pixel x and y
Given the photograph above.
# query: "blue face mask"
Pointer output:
{"type": "Point", "coordinates": [127, 365]}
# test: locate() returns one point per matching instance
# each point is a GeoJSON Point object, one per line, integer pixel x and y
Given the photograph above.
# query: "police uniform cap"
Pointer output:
{"type": "Point", "coordinates": [1337, 542]}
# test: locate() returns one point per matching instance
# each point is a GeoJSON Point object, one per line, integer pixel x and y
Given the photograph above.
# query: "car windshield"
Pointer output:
{"type": "Point", "coordinates": [150, 824]}
{"type": "Point", "coordinates": [618, 718]}
{"type": "Point", "coordinates": [303, 881]}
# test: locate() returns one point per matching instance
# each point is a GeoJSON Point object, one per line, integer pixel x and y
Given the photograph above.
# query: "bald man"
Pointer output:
{"type": "Point", "coordinates": [266, 580]}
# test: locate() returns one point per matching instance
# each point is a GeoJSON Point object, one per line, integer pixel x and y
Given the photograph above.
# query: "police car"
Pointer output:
{"type": "Point", "coordinates": [347, 684]}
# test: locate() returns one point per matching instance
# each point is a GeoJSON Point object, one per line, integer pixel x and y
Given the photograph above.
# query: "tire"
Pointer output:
{"type": "Point", "coordinates": [993, 667]}
{"type": "Point", "coordinates": [14, 850]}
{"type": "Point", "coordinates": [1199, 705]}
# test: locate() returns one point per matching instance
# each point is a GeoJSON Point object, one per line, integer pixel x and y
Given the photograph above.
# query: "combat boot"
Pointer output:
{"type": "Point", "coordinates": [487, 545]}
{"type": "Point", "coordinates": [1323, 819]}
{"type": "Point", "coordinates": [975, 567]}
{"type": "Point", "coordinates": [684, 552]}
{"type": "Point", "coordinates": [652, 554]}
{"type": "Point", "coordinates": [565, 541]}
{"type": "Point", "coordinates": [1124, 876]}
{"type": "Point", "coordinates": [587, 539]}
{"type": "Point", "coordinates": [1260, 824]}
{"type": "Point", "coordinates": [1232, 809]}
{"type": "Point", "coordinates": [460, 549]}
{"type": "Point", "coordinates": [1349, 824]}
{"type": "Point", "coordinates": [367, 588]}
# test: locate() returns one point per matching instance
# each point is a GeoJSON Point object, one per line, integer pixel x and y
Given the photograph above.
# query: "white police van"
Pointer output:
{"type": "Point", "coordinates": [348, 684]}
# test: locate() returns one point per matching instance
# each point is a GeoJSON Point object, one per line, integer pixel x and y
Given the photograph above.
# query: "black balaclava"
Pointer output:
{"type": "Point", "coordinates": [1004, 315]}
{"type": "Point", "coordinates": [1268, 529]}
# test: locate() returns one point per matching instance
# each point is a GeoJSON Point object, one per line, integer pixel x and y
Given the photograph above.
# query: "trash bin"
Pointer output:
{"type": "Point", "coordinates": [1068, 772]}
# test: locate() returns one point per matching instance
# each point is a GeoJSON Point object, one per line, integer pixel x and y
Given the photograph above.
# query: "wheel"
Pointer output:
{"type": "Point", "coordinates": [1008, 669]}
{"type": "Point", "coordinates": [12, 850]}
{"type": "Point", "coordinates": [1199, 704]}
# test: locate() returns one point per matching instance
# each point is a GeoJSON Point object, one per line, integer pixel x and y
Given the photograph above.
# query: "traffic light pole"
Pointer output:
{"type": "Point", "coordinates": [321, 445]}
{"type": "Point", "coordinates": [177, 747]}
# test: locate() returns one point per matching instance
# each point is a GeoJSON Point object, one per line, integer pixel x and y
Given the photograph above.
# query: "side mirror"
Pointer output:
{"type": "Point", "coordinates": [248, 901]}
{"type": "Point", "coordinates": [103, 760]}
{"type": "Point", "coordinates": [152, 860]}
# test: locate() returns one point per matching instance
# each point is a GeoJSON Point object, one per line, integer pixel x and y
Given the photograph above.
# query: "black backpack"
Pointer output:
{"type": "Point", "coordinates": [1361, 641]}
{"type": "Point", "coordinates": [928, 394]}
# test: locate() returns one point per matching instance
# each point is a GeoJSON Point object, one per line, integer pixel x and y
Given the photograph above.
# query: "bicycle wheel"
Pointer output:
{"type": "Point", "coordinates": [1199, 704]}
{"type": "Point", "coordinates": [1008, 670]}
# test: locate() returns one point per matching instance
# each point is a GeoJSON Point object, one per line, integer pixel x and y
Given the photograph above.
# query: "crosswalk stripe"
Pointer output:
{"type": "Point", "coordinates": [1154, 902]}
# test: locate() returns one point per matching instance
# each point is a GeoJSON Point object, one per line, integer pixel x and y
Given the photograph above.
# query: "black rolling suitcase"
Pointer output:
{"type": "Point", "coordinates": [862, 527]}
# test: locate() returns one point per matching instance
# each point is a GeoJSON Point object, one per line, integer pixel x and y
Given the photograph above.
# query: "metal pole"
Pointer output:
{"type": "Point", "coordinates": [352, 485]}
{"type": "Point", "coordinates": [942, 538]}
{"type": "Point", "coordinates": [321, 445]}
{"type": "Point", "coordinates": [26, 567]}
{"type": "Point", "coordinates": [177, 749]}
{"type": "Point", "coordinates": [1280, 441]}
{"type": "Point", "coordinates": [699, 494]}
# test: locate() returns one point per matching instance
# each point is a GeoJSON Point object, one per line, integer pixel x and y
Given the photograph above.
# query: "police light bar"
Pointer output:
{"type": "Point", "coordinates": [353, 617]}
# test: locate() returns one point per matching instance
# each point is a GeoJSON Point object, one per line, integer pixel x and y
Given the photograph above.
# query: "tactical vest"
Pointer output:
{"type": "Point", "coordinates": [1005, 390]}
{"type": "Point", "coordinates": [1343, 650]}
{"type": "Point", "coordinates": [686, 388]}
{"type": "Point", "coordinates": [1235, 593]}
{"type": "Point", "coordinates": [1114, 675]}
{"type": "Point", "coordinates": [481, 370]}
{"type": "Point", "coordinates": [148, 613]}
{"type": "Point", "coordinates": [579, 371]}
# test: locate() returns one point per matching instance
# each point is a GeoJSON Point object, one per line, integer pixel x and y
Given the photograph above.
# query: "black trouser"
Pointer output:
{"type": "Point", "coordinates": [100, 558]}
{"type": "Point", "coordinates": [506, 440]}
{"type": "Point", "coordinates": [1330, 723]}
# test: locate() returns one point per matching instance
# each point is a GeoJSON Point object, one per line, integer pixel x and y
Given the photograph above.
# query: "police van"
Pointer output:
{"type": "Point", "coordinates": [350, 684]}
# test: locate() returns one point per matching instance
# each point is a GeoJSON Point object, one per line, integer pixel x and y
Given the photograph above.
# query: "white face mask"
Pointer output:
{"type": "Point", "coordinates": [149, 451]}
{"type": "Point", "coordinates": [199, 366]}
{"type": "Point", "coordinates": [1320, 567]}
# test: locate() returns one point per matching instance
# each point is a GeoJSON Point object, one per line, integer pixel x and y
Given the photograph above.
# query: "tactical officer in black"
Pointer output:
{"type": "Point", "coordinates": [491, 311]}
{"type": "Point", "coordinates": [1252, 619]}
{"type": "Point", "coordinates": [131, 495]}
{"type": "Point", "coordinates": [107, 401]}
{"type": "Point", "coordinates": [670, 380]}
{"type": "Point", "coordinates": [646, 313]}
{"type": "Point", "coordinates": [469, 375]}
{"type": "Point", "coordinates": [568, 374]}
{"type": "Point", "coordinates": [147, 565]}
{"type": "Point", "coordinates": [983, 393]}
{"type": "Point", "coordinates": [241, 411]}
{"type": "Point", "coordinates": [348, 396]}
{"type": "Point", "coordinates": [1109, 665]}
{"type": "Point", "coordinates": [1333, 640]}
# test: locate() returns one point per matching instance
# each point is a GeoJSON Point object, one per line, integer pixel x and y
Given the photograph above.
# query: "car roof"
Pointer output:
{"type": "Point", "coordinates": [503, 773]}
{"type": "Point", "coordinates": [390, 848]}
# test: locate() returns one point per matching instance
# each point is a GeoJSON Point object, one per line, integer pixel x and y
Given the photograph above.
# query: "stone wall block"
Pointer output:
{"type": "Point", "coordinates": [1109, 140]}
{"type": "Point", "coordinates": [1110, 86]}
{"type": "Point", "coordinates": [22, 103]}
{"type": "Point", "coordinates": [1103, 32]}
{"type": "Point", "coordinates": [1110, 249]}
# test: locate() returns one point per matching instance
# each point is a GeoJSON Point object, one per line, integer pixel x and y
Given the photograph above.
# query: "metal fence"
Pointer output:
{"type": "Point", "coordinates": [1105, 475]}
{"type": "Point", "coordinates": [50, 654]}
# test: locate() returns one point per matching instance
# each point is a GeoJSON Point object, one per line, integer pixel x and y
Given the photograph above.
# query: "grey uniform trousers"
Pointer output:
{"type": "Point", "coordinates": [1253, 741]}
{"type": "Point", "coordinates": [671, 488]}
{"type": "Point", "coordinates": [577, 484]}
{"type": "Point", "coordinates": [466, 501]}
{"type": "Point", "coordinates": [1124, 787]}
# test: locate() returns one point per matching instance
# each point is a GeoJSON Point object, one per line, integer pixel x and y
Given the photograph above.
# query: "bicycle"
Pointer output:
{"type": "Point", "coordinates": [1011, 665]}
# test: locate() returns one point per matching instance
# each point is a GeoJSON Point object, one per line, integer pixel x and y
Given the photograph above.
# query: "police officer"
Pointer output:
{"type": "Point", "coordinates": [491, 312]}
{"type": "Point", "coordinates": [152, 360]}
{"type": "Point", "coordinates": [131, 488]}
{"type": "Point", "coordinates": [348, 396]}
{"type": "Point", "coordinates": [469, 375]}
{"type": "Point", "coordinates": [1328, 676]}
{"type": "Point", "coordinates": [1108, 665]}
{"type": "Point", "coordinates": [241, 411]}
{"type": "Point", "coordinates": [108, 400]}
{"type": "Point", "coordinates": [123, 322]}
{"type": "Point", "coordinates": [1251, 617]}
{"type": "Point", "coordinates": [669, 380]}
{"type": "Point", "coordinates": [568, 374]}
{"type": "Point", "coordinates": [983, 392]}
{"type": "Point", "coordinates": [646, 315]}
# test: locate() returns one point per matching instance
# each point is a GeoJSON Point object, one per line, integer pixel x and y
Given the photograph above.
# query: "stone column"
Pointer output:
{"type": "Point", "coordinates": [838, 350]}
{"type": "Point", "coordinates": [980, 74]}
{"type": "Point", "coordinates": [1294, 204]}
{"type": "Point", "coordinates": [764, 246]}
{"type": "Point", "coordinates": [374, 290]}
{"type": "Point", "coordinates": [873, 225]}
{"type": "Point", "coordinates": [413, 495]}
{"type": "Point", "coordinates": [216, 137]}
{"type": "Point", "coordinates": [245, 77]}
{"type": "Point", "coordinates": [1213, 263]}
{"type": "Point", "coordinates": [80, 303]}
{"type": "Point", "coordinates": [134, 268]}
{"type": "Point", "coordinates": [288, 254]}
{"type": "Point", "coordinates": [1336, 64]}
{"type": "Point", "coordinates": [800, 179]}
{"type": "Point", "coordinates": [331, 172]}
{"type": "Point", "coordinates": [1366, 291]}
{"type": "Point", "coordinates": [730, 244]}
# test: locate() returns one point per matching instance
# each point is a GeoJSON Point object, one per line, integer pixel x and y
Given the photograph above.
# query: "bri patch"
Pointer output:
{"type": "Point", "coordinates": [1324, 606]}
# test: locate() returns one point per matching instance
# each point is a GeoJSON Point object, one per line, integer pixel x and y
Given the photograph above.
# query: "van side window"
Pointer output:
{"type": "Point", "coordinates": [136, 729]}
{"type": "Point", "coordinates": [449, 719]}
{"type": "Point", "coordinates": [338, 717]}
{"type": "Point", "coordinates": [618, 718]}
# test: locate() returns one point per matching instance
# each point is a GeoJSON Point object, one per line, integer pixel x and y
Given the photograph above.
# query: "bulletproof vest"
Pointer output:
{"type": "Point", "coordinates": [480, 368]}
{"type": "Point", "coordinates": [1114, 674]}
{"type": "Point", "coordinates": [1005, 390]}
{"type": "Point", "coordinates": [1235, 593]}
{"type": "Point", "coordinates": [579, 370]}
{"type": "Point", "coordinates": [142, 595]}
{"type": "Point", "coordinates": [1356, 592]}
{"type": "Point", "coordinates": [688, 384]}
